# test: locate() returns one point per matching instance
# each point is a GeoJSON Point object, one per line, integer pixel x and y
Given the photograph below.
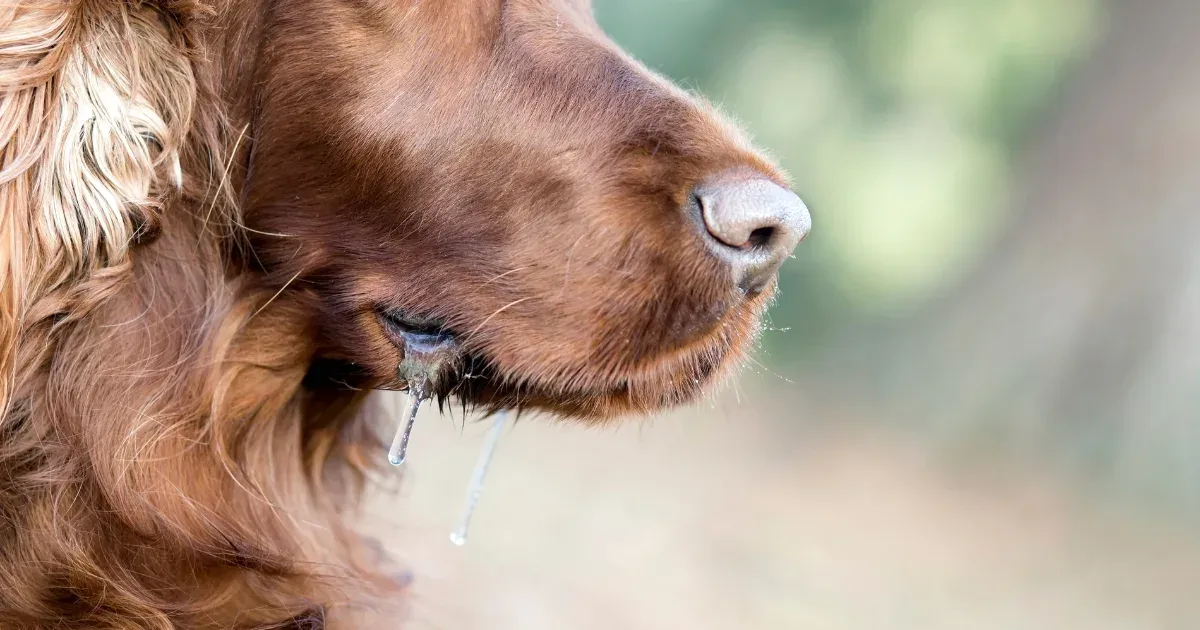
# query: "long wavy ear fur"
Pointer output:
{"type": "Point", "coordinates": [97, 100]}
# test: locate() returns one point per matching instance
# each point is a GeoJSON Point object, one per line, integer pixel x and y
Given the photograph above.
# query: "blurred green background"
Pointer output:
{"type": "Point", "coordinates": [977, 403]}
{"type": "Point", "coordinates": [898, 119]}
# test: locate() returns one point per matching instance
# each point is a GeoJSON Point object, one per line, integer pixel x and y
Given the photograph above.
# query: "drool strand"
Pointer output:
{"type": "Point", "coordinates": [418, 392]}
{"type": "Point", "coordinates": [475, 489]}
{"type": "Point", "coordinates": [424, 362]}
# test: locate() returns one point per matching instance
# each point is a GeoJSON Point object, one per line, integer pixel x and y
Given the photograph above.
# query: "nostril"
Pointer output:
{"type": "Point", "coordinates": [761, 237]}
{"type": "Point", "coordinates": [727, 229]}
{"type": "Point", "coordinates": [751, 223]}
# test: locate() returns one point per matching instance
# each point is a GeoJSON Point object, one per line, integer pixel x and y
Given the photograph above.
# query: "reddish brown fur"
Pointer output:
{"type": "Point", "coordinates": [182, 441]}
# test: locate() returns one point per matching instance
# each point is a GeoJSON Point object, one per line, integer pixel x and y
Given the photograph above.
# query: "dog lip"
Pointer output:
{"type": "Point", "coordinates": [663, 380]}
{"type": "Point", "coordinates": [421, 335]}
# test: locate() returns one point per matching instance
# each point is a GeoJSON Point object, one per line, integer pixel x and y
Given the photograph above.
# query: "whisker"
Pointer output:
{"type": "Point", "coordinates": [224, 178]}
{"type": "Point", "coordinates": [769, 370]}
{"type": "Point", "coordinates": [277, 294]}
{"type": "Point", "coordinates": [495, 278]}
{"type": "Point", "coordinates": [250, 229]}
{"type": "Point", "coordinates": [495, 313]}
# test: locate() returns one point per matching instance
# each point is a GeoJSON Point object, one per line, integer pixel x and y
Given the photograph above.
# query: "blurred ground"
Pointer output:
{"type": "Point", "coordinates": [710, 520]}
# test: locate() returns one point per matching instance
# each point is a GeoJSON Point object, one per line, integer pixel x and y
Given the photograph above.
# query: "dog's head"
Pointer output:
{"type": "Point", "coordinates": [497, 176]}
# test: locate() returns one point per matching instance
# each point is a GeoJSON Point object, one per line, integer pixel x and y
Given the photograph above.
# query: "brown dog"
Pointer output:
{"type": "Point", "coordinates": [225, 221]}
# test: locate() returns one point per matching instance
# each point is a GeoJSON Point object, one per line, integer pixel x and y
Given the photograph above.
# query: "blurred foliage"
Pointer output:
{"type": "Point", "coordinates": [898, 120]}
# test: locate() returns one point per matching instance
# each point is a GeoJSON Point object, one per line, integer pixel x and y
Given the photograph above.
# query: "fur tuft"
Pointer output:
{"type": "Point", "coordinates": [98, 100]}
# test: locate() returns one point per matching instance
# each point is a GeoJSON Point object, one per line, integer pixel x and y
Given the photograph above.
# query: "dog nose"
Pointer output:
{"type": "Point", "coordinates": [754, 224]}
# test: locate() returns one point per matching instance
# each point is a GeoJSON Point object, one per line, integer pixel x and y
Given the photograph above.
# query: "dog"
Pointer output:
{"type": "Point", "coordinates": [225, 222]}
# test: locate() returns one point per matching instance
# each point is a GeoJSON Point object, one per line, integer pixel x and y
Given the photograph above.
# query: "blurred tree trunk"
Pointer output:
{"type": "Point", "coordinates": [1082, 331]}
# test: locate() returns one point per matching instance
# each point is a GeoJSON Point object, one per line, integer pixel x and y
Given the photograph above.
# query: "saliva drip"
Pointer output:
{"type": "Point", "coordinates": [423, 362]}
{"type": "Point", "coordinates": [422, 365]}
{"type": "Point", "coordinates": [418, 392]}
{"type": "Point", "coordinates": [475, 489]}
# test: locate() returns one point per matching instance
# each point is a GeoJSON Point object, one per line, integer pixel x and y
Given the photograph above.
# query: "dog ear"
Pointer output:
{"type": "Point", "coordinates": [98, 98]}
